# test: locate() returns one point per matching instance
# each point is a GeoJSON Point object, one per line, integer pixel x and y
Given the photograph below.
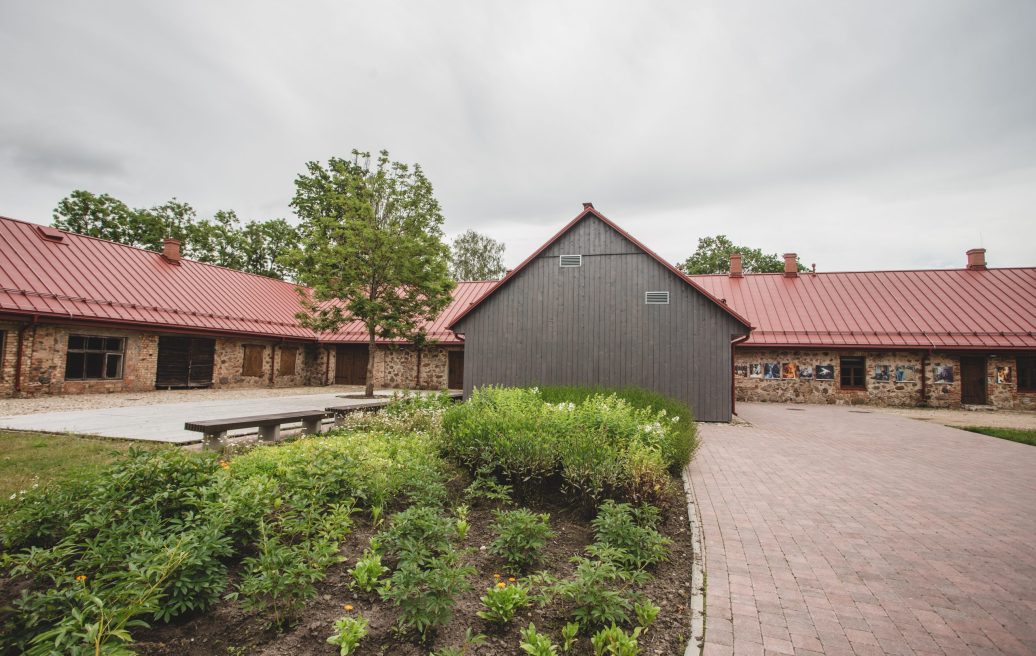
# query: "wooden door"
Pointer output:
{"type": "Point", "coordinates": [351, 364]}
{"type": "Point", "coordinates": [973, 380]}
{"type": "Point", "coordinates": [455, 370]}
{"type": "Point", "coordinates": [184, 361]}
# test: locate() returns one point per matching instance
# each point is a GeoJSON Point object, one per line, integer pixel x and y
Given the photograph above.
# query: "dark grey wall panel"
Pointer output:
{"type": "Point", "coordinates": [590, 325]}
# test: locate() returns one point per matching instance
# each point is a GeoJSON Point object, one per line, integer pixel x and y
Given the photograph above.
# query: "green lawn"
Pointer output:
{"type": "Point", "coordinates": [1014, 434]}
{"type": "Point", "coordinates": [26, 456]}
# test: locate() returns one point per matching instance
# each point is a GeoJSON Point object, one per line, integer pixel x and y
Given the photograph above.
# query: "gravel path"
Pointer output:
{"type": "Point", "coordinates": [12, 407]}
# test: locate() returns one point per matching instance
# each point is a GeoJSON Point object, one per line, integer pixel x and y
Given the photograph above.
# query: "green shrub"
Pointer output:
{"type": "Point", "coordinates": [471, 639]}
{"type": "Point", "coordinates": [417, 534]}
{"type": "Point", "coordinates": [569, 636]}
{"type": "Point", "coordinates": [631, 532]}
{"type": "Point", "coordinates": [502, 601]}
{"type": "Point", "coordinates": [488, 490]}
{"type": "Point", "coordinates": [536, 644]}
{"type": "Point", "coordinates": [602, 447]}
{"type": "Point", "coordinates": [613, 641]}
{"type": "Point", "coordinates": [598, 593]}
{"type": "Point", "coordinates": [348, 633]}
{"type": "Point", "coordinates": [408, 412]}
{"type": "Point", "coordinates": [427, 591]}
{"type": "Point", "coordinates": [520, 537]}
{"type": "Point", "coordinates": [646, 613]}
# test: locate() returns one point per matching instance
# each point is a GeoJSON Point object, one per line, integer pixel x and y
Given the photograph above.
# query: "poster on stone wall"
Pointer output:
{"type": "Point", "coordinates": [788, 370]}
{"type": "Point", "coordinates": [805, 371]}
{"type": "Point", "coordinates": [1003, 375]}
{"type": "Point", "coordinates": [771, 370]}
{"type": "Point", "coordinates": [904, 373]}
{"type": "Point", "coordinates": [942, 373]}
{"type": "Point", "coordinates": [881, 373]}
{"type": "Point", "coordinates": [755, 370]}
{"type": "Point", "coordinates": [741, 370]}
{"type": "Point", "coordinates": [825, 372]}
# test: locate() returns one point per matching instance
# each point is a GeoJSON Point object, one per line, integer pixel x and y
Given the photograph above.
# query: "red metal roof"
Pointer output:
{"type": "Point", "coordinates": [950, 309]}
{"type": "Point", "coordinates": [464, 294]}
{"type": "Point", "coordinates": [588, 210]}
{"type": "Point", "coordinates": [66, 275]}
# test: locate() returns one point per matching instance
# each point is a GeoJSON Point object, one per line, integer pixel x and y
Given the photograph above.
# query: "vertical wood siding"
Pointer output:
{"type": "Point", "coordinates": [589, 325]}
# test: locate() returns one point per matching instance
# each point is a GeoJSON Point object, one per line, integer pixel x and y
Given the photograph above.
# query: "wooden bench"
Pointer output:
{"type": "Point", "coordinates": [339, 411]}
{"type": "Point", "coordinates": [214, 431]}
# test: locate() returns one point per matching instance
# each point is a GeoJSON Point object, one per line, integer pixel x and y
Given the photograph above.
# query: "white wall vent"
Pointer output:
{"type": "Point", "coordinates": [571, 260]}
{"type": "Point", "coordinates": [656, 298]}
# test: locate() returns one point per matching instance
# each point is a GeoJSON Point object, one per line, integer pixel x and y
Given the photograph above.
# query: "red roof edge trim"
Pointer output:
{"type": "Point", "coordinates": [590, 211]}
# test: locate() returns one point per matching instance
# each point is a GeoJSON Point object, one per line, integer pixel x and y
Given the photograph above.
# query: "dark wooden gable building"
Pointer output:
{"type": "Point", "coordinates": [593, 306]}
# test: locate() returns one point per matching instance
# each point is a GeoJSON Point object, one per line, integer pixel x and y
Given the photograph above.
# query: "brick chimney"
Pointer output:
{"type": "Point", "coordinates": [977, 259]}
{"type": "Point", "coordinates": [791, 265]}
{"type": "Point", "coordinates": [736, 271]}
{"type": "Point", "coordinates": [171, 250]}
{"type": "Point", "coordinates": [588, 206]}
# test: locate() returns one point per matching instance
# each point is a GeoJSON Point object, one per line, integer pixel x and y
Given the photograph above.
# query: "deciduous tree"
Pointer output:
{"type": "Point", "coordinates": [475, 256]}
{"type": "Point", "coordinates": [713, 256]}
{"type": "Point", "coordinates": [371, 248]}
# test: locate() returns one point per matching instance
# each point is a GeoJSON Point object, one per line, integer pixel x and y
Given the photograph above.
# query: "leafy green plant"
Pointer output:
{"type": "Point", "coordinates": [598, 592]}
{"type": "Point", "coordinates": [462, 522]}
{"type": "Point", "coordinates": [348, 633]}
{"type": "Point", "coordinates": [368, 571]}
{"type": "Point", "coordinates": [502, 601]}
{"type": "Point", "coordinates": [569, 636]}
{"type": "Point", "coordinates": [417, 534]}
{"type": "Point", "coordinates": [521, 536]}
{"type": "Point", "coordinates": [280, 578]}
{"type": "Point", "coordinates": [487, 489]}
{"type": "Point", "coordinates": [536, 644]}
{"type": "Point", "coordinates": [631, 531]}
{"type": "Point", "coordinates": [426, 591]}
{"type": "Point", "coordinates": [613, 641]}
{"type": "Point", "coordinates": [646, 614]}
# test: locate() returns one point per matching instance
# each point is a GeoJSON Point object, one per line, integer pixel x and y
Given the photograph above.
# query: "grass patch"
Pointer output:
{"type": "Point", "coordinates": [1022, 435]}
{"type": "Point", "coordinates": [27, 458]}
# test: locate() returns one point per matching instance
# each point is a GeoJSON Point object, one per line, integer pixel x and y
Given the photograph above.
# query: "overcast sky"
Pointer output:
{"type": "Point", "coordinates": [863, 135]}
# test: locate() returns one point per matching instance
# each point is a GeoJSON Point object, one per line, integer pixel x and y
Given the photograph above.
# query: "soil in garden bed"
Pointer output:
{"type": "Point", "coordinates": [229, 630]}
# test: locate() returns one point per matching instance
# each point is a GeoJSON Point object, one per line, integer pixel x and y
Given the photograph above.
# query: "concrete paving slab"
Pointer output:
{"type": "Point", "coordinates": [164, 423]}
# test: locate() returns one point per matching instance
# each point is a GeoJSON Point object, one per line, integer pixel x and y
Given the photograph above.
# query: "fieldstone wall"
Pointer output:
{"type": "Point", "coordinates": [8, 349]}
{"type": "Point", "coordinates": [892, 378]}
{"type": "Point", "coordinates": [397, 367]}
{"type": "Point", "coordinates": [229, 363]}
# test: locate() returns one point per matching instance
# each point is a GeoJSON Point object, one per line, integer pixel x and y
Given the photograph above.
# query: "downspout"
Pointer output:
{"type": "Point", "coordinates": [733, 379]}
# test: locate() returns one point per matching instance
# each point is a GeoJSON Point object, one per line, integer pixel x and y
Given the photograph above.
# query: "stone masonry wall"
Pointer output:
{"type": "Point", "coordinates": [230, 352]}
{"type": "Point", "coordinates": [891, 392]}
{"type": "Point", "coordinates": [396, 367]}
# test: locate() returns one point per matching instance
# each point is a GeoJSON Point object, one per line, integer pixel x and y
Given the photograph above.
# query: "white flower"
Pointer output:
{"type": "Point", "coordinates": [13, 496]}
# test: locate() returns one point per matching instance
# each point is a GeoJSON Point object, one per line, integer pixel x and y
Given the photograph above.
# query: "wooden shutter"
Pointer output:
{"type": "Point", "coordinates": [289, 354]}
{"type": "Point", "coordinates": [252, 364]}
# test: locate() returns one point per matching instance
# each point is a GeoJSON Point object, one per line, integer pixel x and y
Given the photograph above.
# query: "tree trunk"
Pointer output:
{"type": "Point", "coordinates": [369, 392]}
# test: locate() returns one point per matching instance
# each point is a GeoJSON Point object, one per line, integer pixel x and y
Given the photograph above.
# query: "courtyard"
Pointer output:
{"type": "Point", "coordinates": [839, 530]}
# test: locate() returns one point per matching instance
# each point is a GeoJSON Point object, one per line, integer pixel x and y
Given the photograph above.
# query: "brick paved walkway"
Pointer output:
{"type": "Point", "coordinates": [839, 531]}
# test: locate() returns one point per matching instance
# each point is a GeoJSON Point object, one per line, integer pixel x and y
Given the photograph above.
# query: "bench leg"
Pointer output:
{"type": "Point", "coordinates": [269, 433]}
{"type": "Point", "coordinates": [312, 426]}
{"type": "Point", "coordinates": [339, 418]}
{"type": "Point", "coordinates": [213, 441]}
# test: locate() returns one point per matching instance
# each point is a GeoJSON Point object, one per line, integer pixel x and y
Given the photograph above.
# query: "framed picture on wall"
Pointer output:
{"type": "Point", "coordinates": [789, 370]}
{"type": "Point", "coordinates": [771, 370]}
{"type": "Point", "coordinates": [904, 373]}
{"type": "Point", "coordinates": [942, 373]}
{"type": "Point", "coordinates": [755, 370]}
{"type": "Point", "coordinates": [805, 371]}
{"type": "Point", "coordinates": [741, 370]}
{"type": "Point", "coordinates": [1004, 376]}
{"type": "Point", "coordinates": [881, 372]}
{"type": "Point", "coordinates": [825, 372]}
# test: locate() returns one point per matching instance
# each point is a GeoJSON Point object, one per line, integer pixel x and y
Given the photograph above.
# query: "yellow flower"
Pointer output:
{"type": "Point", "coordinates": [511, 579]}
{"type": "Point", "coordinates": [501, 585]}
{"type": "Point", "coordinates": [347, 606]}
{"type": "Point", "coordinates": [496, 576]}
{"type": "Point", "coordinates": [224, 464]}
{"type": "Point", "coordinates": [81, 577]}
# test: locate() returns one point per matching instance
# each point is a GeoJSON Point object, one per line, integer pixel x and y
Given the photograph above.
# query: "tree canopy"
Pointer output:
{"type": "Point", "coordinates": [713, 256]}
{"type": "Point", "coordinates": [474, 256]}
{"type": "Point", "coordinates": [371, 248]}
{"type": "Point", "coordinates": [254, 247]}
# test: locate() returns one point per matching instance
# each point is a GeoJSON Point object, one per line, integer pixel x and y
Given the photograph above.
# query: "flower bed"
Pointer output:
{"type": "Point", "coordinates": [368, 538]}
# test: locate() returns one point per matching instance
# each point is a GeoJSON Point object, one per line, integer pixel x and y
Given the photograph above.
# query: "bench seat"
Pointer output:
{"type": "Point", "coordinates": [214, 431]}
